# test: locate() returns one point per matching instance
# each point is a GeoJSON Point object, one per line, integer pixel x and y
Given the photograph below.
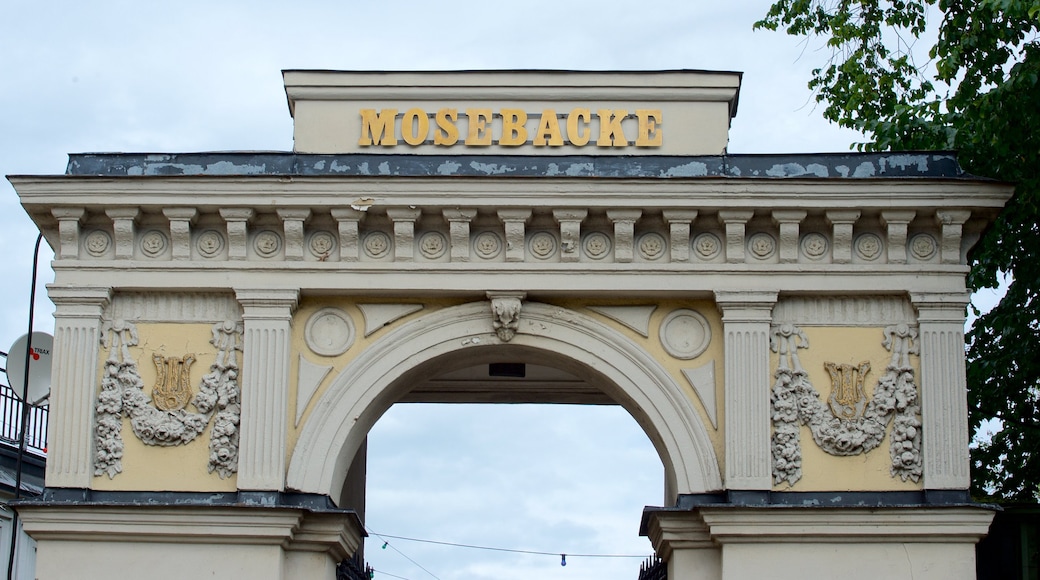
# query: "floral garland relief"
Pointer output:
{"type": "Point", "coordinates": [849, 424]}
{"type": "Point", "coordinates": [164, 420]}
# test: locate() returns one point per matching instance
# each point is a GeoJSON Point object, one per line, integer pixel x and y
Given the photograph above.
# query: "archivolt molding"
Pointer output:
{"type": "Point", "coordinates": [373, 382]}
{"type": "Point", "coordinates": [851, 425]}
{"type": "Point", "coordinates": [164, 420]}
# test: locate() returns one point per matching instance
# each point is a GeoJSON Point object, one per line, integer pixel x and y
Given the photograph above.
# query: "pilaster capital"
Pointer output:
{"type": "Point", "coordinates": [267, 303]}
{"type": "Point", "coordinates": [672, 530]}
{"type": "Point", "coordinates": [735, 302]}
{"type": "Point", "coordinates": [736, 216]}
{"type": "Point", "coordinates": [940, 307]}
{"type": "Point", "coordinates": [514, 215]}
{"type": "Point", "coordinates": [123, 213]}
{"type": "Point", "coordinates": [293, 214]}
{"type": "Point", "coordinates": [897, 216]}
{"type": "Point", "coordinates": [180, 213]}
{"type": "Point", "coordinates": [842, 216]}
{"type": "Point", "coordinates": [624, 215]}
{"type": "Point", "coordinates": [403, 214]}
{"type": "Point", "coordinates": [236, 214]}
{"type": "Point", "coordinates": [68, 213]}
{"type": "Point", "coordinates": [679, 216]}
{"type": "Point", "coordinates": [952, 217]}
{"type": "Point", "coordinates": [84, 300]}
{"type": "Point", "coordinates": [347, 214]}
{"type": "Point", "coordinates": [459, 215]}
{"type": "Point", "coordinates": [789, 216]}
{"type": "Point", "coordinates": [570, 214]}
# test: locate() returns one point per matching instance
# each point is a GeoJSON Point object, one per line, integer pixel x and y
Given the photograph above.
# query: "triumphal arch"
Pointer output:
{"type": "Point", "coordinates": [787, 329]}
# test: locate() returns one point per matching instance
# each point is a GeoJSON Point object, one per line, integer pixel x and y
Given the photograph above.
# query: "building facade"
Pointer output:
{"type": "Point", "coordinates": [787, 329]}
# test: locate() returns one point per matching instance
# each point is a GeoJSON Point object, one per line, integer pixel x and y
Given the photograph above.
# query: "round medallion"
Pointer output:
{"type": "Point", "coordinates": [922, 246]}
{"type": "Point", "coordinates": [153, 243]}
{"type": "Point", "coordinates": [210, 243]}
{"type": "Point", "coordinates": [651, 246]}
{"type": "Point", "coordinates": [762, 245]}
{"type": "Point", "coordinates": [377, 244]}
{"type": "Point", "coordinates": [597, 245]}
{"type": "Point", "coordinates": [868, 247]}
{"type": "Point", "coordinates": [322, 244]}
{"type": "Point", "coordinates": [814, 246]}
{"type": "Point", "coordinates": [329, 332]}
{"type": "Point", "coordinates": [707, 246]}
{"type": "Point", "coordinates": [267, 243]}
{"type": "Point", "coordinates": [685, 334]}
{"type": "Point", "coordinates": [543, 245]}
{"type": "Point", "coordinates": [487, 245]}
{"type": "Point", "coordinates": [433, 245]}
{"type": "Point", "coordinates": [97, 243]}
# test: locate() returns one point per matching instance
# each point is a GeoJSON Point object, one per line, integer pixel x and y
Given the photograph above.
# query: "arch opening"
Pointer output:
{"type": "Point", "coordinates": [460, 337]}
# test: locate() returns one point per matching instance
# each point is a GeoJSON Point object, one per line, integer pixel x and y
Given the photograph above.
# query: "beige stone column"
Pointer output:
{"type": "Point", "coordinates": [514, 222]}
{"type": "Point", "coordinates": [348, 222]}
{"type": "Point", "coordinates": [68, 230]}
{"type": "Point", "coordinates": [944, 393]}
{"type": "Point", "coordinates": [789, 222]}
{"type": "Point", "coordinates": [746, 317]}
{"type": "Point", "coordinates": [124, 220]}
{"type": "Point", "coordinates": [292, 228]}
{"type": "Point", "coordinates": [898, 223]}
{"type": "Point", "coordinates": [181, 219]}
{"type": "Point", "coordinates": [570, 232]}
{"type": "Point", "coordinates": [682, 539]}
{"type": "Point", "coordinates": [267, 318]}
{"type": "Point", "coordinates": [624, 232]}
{"type": "Point", "coordinates": [842, 222]}
{"type": "Point", "coordinates": [679, 222]}
{"type": "Point", "coordinates": [458, 228]}
{"type": "Point", "coordinates": [74, 384]}
{"type": "Point", "coordinates": [736, 228]}
{"type": "Point", "coordinates": [237, 220]}
{"type": "Point", "coordinates": [404, 232]}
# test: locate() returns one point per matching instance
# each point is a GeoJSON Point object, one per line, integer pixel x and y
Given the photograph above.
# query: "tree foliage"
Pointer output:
{"type": "Point", "coordinates": [973, 90]}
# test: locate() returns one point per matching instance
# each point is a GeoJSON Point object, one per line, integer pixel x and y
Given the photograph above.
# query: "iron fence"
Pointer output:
{"type": "Point", "coordinates": [653, 568]}
{"type": "Point", "coordinates": [354, 568]}
{"type": "Point", "coordinates": [11, 419]}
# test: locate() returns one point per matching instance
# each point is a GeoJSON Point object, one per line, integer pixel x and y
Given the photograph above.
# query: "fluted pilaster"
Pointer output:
{"type": "Point", "coordinates": [944, 393]}
{"type": "Point", "coordinates": [77, 328]}
{"type": "Point", "coordinates": [267, 317]}
{"type": "Point", "coordinates": [745, 321]}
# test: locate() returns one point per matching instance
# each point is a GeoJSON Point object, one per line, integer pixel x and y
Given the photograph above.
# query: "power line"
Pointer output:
{"type": "Point", "coordinates": [513, 550]}
{"type": "Point", "coordinates": [386, 543]}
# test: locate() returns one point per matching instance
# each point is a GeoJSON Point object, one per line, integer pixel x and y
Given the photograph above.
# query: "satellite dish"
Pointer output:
{"type": "Point", "coordinates": [39, 366]}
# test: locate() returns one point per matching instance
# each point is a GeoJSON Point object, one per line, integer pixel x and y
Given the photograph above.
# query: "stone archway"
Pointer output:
{"type": "Point", "coordinates": [360, 395]}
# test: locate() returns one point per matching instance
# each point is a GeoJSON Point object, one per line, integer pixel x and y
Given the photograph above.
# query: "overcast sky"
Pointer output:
{"type": "Point", "coordinates": [204, 75]}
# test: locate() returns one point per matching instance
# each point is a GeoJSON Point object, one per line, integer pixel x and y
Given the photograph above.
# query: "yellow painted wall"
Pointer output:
{"type": "Point", "coordinates": [820, 470]}
{"type": "Point", "coordinates": [178, 468]}
{"type": "Point", "coordinates": [652, 344]}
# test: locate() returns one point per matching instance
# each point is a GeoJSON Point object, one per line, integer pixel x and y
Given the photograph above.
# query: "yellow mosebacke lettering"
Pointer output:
{"type": "Point", "coordinates": [377, 128]}
{"type": "Point", "coordinates": [479, 132]}
{"type": "Point", "coordinates": [414, 126]}
{"type": "Point", "coordinates": [514, 133]}
{"type": "Point", "coordinates": [446, 132]}
{"type": "Point", "coordinates": [548, 130]}
{"type": "Point", "coordinates": [574, 133]}
{"type": "Point", "coordinates": [610, 132]}
{"type": "Point", "coordinates": [649, 128]}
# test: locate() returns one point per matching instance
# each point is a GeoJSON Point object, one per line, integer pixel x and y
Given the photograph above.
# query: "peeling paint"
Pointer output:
{"type": "Point", "coordinates": [448, 168]}
{"type": "Point", "coordinates": [797, 170]}
{"type": "Point", "coordinates": [579, 169]}
{"type": "Point", "coordinates": [384, 168]}
{"type": "Point", "coordinates": [865, 169]}
{"type": "Point", "coordinates": [691, 169]}
{"type": "Point", "coordinates": [490, 168]}
{"type": "Point", "coordinates": [321, 164]}
{"type": "Point", "coordinates": [843, 170]}
{"type": "Point", "coordinates": [904, 161]}
{"type": "Point", "coordinates": [362, 204]}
